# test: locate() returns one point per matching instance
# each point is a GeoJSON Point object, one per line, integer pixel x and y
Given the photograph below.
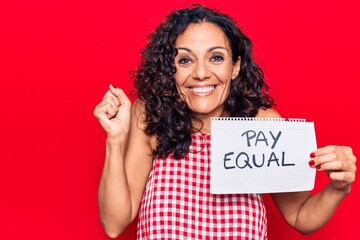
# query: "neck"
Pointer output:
{"type": "Point", "coordinates": [203, 124]}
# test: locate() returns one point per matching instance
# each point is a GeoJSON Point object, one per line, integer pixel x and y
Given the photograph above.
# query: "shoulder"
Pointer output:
{"type": "Point", "coordinates": [138, 106]}
{"type": "Point", "coordinates": [138, 113]}
{"type": "Point", "coordinates": [267, 113]}
{"type": "Point", "coordinates": [139, 123]}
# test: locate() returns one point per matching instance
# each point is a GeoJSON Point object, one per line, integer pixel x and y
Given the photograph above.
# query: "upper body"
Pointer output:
{"type": "Point", "coordinates": [197, 65]}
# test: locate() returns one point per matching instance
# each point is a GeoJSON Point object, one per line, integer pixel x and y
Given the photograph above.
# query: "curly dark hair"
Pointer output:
{"type": "Point", "coordinates": [167, 114]}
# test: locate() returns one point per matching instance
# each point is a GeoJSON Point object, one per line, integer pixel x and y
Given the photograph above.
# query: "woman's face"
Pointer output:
{"type": "Point", "coordinates": [204, 68]}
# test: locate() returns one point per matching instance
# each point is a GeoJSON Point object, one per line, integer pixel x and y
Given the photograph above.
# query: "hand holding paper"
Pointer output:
{"type": "Point", "coordinates": [340, 164]}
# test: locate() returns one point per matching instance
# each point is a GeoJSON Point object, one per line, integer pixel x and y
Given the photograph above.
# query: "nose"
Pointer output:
{"type": "Point", "coordinates": [201, 71]}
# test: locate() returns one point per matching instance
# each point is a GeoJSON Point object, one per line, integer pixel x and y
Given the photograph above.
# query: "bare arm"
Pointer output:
{"type": "Point", "coordinates": [127, 162]}
{"type": "Point", "coordinates": [308, 213]}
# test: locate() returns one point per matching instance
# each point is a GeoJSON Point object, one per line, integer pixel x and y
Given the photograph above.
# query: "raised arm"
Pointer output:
{"type": "Point", "coordinates": [127, 162]}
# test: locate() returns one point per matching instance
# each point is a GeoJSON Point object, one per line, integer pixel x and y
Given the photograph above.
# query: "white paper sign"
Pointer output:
{"type": "Point", "coordinates": [261, 155]}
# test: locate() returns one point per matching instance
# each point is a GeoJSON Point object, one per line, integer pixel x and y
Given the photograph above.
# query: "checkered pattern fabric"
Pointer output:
{"type": "Point", "coordinates": [177, 203]}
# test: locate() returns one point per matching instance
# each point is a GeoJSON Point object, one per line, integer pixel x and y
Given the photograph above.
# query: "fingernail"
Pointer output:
{"type": "Point", "coordinates": [318, 167]}
{"type": "Point", "coordinates": [312, 155]}
{"type": "Point", "coordinates": [311, 162]}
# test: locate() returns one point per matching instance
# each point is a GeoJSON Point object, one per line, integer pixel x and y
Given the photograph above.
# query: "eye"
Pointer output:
{"type": "Point", "coordinates": [217, 59]}
{"type": "Point", "coordinates": [184, 61]}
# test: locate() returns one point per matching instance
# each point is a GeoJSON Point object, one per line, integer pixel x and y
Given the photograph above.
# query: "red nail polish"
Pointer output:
{"type": "Point", "coordinates": [311, 162]}
{"type": "Point", "coordinates": [312, 155]}
{"type": "Point", "coordinates": [318, 167]}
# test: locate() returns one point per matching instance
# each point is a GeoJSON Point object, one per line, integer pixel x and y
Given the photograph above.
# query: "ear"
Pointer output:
{"type": "Point", "coordinates": [236, 69]}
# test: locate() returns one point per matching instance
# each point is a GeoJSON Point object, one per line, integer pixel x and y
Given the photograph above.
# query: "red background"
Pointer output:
{"type": "Point", "coordinates": [58, 58]}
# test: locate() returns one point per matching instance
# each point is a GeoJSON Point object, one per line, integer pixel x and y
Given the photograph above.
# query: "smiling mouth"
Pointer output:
{"type": "Point", "coordinates": [202, 90]}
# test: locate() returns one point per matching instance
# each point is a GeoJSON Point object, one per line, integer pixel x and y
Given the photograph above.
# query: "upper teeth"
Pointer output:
{"type": "Point", "coordinates": [203, 89]}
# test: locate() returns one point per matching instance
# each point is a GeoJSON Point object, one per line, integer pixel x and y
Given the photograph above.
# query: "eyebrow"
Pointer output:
{"type": "Point", "coordinates": [209, 50]}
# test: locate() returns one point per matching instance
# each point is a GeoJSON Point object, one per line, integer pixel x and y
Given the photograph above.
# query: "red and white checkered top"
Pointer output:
{"type": "Point", "coordinates": [177, 203]}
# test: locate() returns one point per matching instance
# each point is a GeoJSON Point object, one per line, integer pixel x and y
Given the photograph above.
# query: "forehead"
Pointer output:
{"type": "Point", "coordinates": [202, 34]}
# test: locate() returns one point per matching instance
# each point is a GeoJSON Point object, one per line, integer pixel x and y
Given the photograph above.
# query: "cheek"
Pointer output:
{"type": "Point", "coordinates": [181, 76]}
{"type": "Point", "coordinates": [224, 74]}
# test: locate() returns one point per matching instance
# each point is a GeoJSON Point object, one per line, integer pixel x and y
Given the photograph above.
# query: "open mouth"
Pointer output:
{"type": "Point", "coordinates": [202, 90]}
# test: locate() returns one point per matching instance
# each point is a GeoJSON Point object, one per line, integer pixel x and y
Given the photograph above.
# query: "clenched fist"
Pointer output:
{"type": "Point", "coordinates": [113, 114]}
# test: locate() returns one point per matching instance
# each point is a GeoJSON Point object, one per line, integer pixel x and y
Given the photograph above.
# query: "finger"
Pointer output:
{"type": "Point", "coordinates": [112, 100]}
{"type": "Point", "coordinates": [346, 166]}
{"type": "Point", "coordinates": [109, 96]}
{"type": "Point", "coordinates": [330, 157]}
{"type": "Point", "coordinates": [335, 162]}
{"type": "Point", "coordinates": [101, 115]}
{"type": "Point", "coordinates": [110, 110]}
{"type": "Point", "coordinates": [121, 96]}
{"type": "Point", "coordinates": [332, 153]}
{"type": "Point", "coordinates": [104, 112]}
{"type": "Point", "coordinates": [345, 177]}
{"type": "Point", "coordinates": [333, 149]}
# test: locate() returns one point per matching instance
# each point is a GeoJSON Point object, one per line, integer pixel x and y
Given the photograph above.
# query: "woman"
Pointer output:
{"type": "Point", "coordinates": [197, 65]}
